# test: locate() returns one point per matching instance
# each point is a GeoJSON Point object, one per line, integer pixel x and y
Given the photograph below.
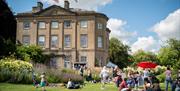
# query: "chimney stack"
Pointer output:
{"type": "Point", "coordinates": [40, 5]}
{"type": "Point", "coordinates": [66, 4]}
{"type": "Point", "coordinates": [37, 8]}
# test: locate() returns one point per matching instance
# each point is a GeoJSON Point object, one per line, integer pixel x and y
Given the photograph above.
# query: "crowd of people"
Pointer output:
{"type": "Point", "coordinates": [130, 81]}
{"type": "Point", "coordinates": [137, 81]}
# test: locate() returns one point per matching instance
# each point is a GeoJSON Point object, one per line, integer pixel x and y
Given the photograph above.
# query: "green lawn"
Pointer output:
{"type": "Point", "coordinates": [87, 87]}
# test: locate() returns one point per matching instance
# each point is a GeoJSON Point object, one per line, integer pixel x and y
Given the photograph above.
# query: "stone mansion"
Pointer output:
{"type": "Point", "coordinates": [72, 36]}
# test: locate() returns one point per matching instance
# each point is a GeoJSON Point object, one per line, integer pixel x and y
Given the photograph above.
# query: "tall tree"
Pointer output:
{"type": "Point", "coordinates": [8, 29]}
{"type": "Point", "coordinates": [169, 55]}
{"type": "Point", "coordinates": [141, 55]}
{"type": "Point", "coordinates": [118, 53]}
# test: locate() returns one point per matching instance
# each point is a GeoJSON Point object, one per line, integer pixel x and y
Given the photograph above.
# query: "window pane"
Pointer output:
{"type": "Point", "coordinates": [67, 24]}
{"type": "Point", "coordinates": [53, 62]}
{"type": "Point", "coordinates": [42, 25]}
{"type": "Point", "coordinates": [99, 41]}
{"type": "Point", "coordinates": [67, 62]}
{"type": "Point", "coordinates": [84, 40]}
{"type": "Point", "coordinates": [100, 26]}
{"type": "Point", "coordinates": [83, 24]}
{"type": "Point", "coordinates": [54, 24]}
{"type": "Point", "coordinates": [41, 41]}
{"type": "Point", "coordinates": [26, 25]}
{"type": "Point", "coordinates": [54, 41]}
{"type": "Point", "coordinates": [26, 39]}
{"type": "Point", "coordinates": [83, 59]}
{"type": "Point", "coordinates": [67, 41]}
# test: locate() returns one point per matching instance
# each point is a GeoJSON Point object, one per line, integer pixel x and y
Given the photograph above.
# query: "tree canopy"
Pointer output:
{"type": "Point", "coordinates": [30, 53]}
{"type": "Point", "coordinates": [169, 54]}
{"type": "Point", "coordinates": [118, 53]}
{"type": "Point", "coordinates": [141, 55]}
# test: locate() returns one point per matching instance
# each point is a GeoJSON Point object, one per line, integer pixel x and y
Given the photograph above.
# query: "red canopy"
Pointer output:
{"type": "Point", "coordinates": [147, 65]}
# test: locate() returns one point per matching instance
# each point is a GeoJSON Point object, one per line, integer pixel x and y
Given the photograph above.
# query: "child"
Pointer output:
{"type": "Point", "coordinates": [35, 83]}
{"type": "Point", "coordinates": [43, 81]}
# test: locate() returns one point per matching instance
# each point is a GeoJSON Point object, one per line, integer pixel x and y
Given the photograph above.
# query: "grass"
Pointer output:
{"type": "Point", "coordinates": [87, 87]}
{"type": "Point", "coordinates": [22, 87]}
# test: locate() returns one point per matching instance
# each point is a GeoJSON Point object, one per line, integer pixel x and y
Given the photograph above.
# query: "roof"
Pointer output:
{"type": "Point", "coordinates": [75, 11]}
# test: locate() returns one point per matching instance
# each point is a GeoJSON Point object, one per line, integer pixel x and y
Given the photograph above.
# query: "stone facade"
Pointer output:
{"type": "Point", "coordinates": [80, 36]}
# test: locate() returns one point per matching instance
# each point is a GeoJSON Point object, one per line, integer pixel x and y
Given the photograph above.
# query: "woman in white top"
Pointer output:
{"type": "Point", "coordinates": [104, 76]}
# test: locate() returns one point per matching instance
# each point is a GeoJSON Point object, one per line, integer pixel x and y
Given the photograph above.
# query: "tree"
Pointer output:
{"type": "Point", "coordinates": [28, 53]}
{"type": "Point", "coordinates": [169, 55]}
{"type": "Point", "coordinates": [7, 31]}
{"type": "Point", "coordinates": [118, 53]}
{"type": "Point", "coordinates": [141, 55]}
{"type": "Point", "coordinates": [7, 47]}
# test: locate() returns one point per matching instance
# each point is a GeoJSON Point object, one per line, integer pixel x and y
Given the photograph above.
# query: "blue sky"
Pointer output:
{"type": "Point", "coordinates": [139, 23]}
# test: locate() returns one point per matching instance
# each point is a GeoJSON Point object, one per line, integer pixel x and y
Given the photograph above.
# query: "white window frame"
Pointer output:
{"type": "Point", "coordinates": [41, 25]}
{"type": "Point", "coordinates": [100, 42]}
{"type": "Point", "coordinates": [84, 40]}
{"type": "Point", "coordinates": [83, 23]}
{"type": "Point", "coordinates": [24, 41]}
{"type": "Point", "coordinates": [52, 44]}
{"type": "Point", "coordinates": [67, 42]}
{"type": "Point", "coordinates": [67, 62]}
{"type": "Point", "coordinates": [54, 24]}
{"type": "Point", "coordinates": [42, 36]}
{"type": "Point", "coordinates": [100, 26]}
{"type": "Point", "coordinates": [67, 24]}
{"type": "Point", "coordinates": [84, 59]}
{"type": "Point", "coordinates": [26, 25]}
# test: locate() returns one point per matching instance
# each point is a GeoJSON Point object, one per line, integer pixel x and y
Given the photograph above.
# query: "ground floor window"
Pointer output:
{"type": "Point", "coordinates": [67, 63]}
{"type": "Point", "coordinates": [53, 62]}
{"type": "Point", "coordinates": [83, 59]}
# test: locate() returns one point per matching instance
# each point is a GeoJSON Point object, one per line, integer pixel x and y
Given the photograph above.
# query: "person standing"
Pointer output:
{"type": "Point", "coordinates": [81, 71]}
{"type": "Point", "coordinates": [146, 73]}
{"type": "Point", "coordinates": [104, 76]}
{"type": "Point", "coordinates": [43, 81]}
{"type": "Point", "coordinates": [34, 79]}
{"type": "Point", "coordinates": [168, 79]}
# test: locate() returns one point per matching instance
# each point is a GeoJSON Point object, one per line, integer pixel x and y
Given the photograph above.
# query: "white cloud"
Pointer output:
{"type": "Point", "coordinates": [146, 44]}
{"type": "Point", "coordinates": [117, 28]}
{"type": "Point", "coordinates": [169, 27]}
{"type": "Point", "coordinates": [83, 4]}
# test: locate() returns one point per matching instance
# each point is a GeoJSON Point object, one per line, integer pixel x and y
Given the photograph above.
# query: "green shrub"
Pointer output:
{"type": "Point", "coordinates": [68, 71]}
{"type": "Point", "coordinates": [57, 75]}
{"type": "Point", "coordinates": [96, 78]}
{"type": "Point", "coordinates": [15, 71]}
{"type": "Point", "coordinates": [161, 77]}
{"type": "Point", "coordinates": [30, 53]}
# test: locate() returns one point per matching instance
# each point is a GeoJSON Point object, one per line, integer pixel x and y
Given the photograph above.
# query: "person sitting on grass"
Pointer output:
{"type": "Point", "coordinates": [147, 85]}
{"type": "Point", "coordinates": [177, 84]}
{"type": "Point", "coordinates": [89, 76]}
{"type": "Point", "coordinates": [70, 84]}
{"type": "Point", "coordinates": [43, 81]}
{"type": "Point", "coordinates": [118, 80]}
{"type": "Point", "coordinates": [155, 83]}
{"type": "Point", "coordinates": [123, 85]}
{"type": "Point", "coordinates": [73, 85]}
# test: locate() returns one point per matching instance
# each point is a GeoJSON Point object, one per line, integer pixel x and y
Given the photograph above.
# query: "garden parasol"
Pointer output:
{"type": "Point", "coordinates": [147, 65]}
